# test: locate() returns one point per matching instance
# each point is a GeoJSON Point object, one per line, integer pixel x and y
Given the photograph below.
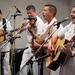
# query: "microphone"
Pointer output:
{"type": "Point", "coordinates": [17, 14]}
{"type": "Point", "coordinates": [13, 38]}
{"type": "Point", "coordinates": [17, 9]}
{"type": "Point", "coordinates": [58, 24]}
{"type": "Point", "coordinates": [21, 50]}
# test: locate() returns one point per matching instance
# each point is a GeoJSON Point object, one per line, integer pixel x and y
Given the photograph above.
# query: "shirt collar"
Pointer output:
{"type": "Point", "coordinates": [53, 20]}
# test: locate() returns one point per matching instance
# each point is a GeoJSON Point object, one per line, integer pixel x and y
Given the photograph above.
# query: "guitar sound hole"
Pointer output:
{"type": "Point", "coordinates": [58, 49]}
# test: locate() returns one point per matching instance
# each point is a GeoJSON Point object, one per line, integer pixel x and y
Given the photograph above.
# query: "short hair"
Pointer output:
{"type": "Point", "coordinates": [73, 6]}
{"type": "Point", "coordinates": [0, 12]}
{"type": "Point", "coordinates": [30, 7]}
{"type": "Point", "coordinates": [52, 8]}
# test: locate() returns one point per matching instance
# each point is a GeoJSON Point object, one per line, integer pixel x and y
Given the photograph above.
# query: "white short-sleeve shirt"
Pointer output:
{"type": "Point", "coordinates": [53, 30]}
{"type": "Point", "coordinates": [37, 29]}
{"type": "Point", "coordinates": [67, 32]}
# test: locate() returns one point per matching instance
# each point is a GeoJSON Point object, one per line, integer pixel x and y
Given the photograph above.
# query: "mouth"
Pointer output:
{"type": "Point", "coordinates": [73, 18]}
{"type": "Point", "coordinates": [43, 16]}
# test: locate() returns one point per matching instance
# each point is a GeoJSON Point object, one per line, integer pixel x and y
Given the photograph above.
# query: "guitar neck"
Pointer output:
{"type": "Point", "coordinates": [7, 32]}
{"type": "Point", "coordinates": [14, 30]}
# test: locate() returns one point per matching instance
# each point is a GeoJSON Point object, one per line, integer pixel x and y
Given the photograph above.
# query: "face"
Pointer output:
{"type": "Point", "coordinates": [46, 13]}
{"type": "Point", "coordinates": [31, 13]}
{"type": "Point", "coordinates": [73, 15]}
{"type": "Point", "coordinates": [0, 16]}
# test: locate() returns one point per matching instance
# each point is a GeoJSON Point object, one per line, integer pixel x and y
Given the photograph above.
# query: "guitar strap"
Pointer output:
{"type": "Point", "coordinates": [4, 27]}
{"type": "Point", "coordinates": [47, 32]}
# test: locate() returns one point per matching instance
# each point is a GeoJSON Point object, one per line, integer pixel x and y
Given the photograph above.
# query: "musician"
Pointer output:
{"type": "Point", "coordinates": [37, 28]}
{"type": "Point", "coordinates": [49, 12]}
{"type": "Point", "coordinates": [5, 26]}
{"type": "Point", "coordinates": [68, 32]}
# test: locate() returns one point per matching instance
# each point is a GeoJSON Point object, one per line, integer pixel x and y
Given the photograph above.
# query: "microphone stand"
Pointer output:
{"type": "Point", "coordinates": [37, 50]}
{"type": "Point", "coordinates": [12, 41]}
{"type": "Point", "coordinates": [3, 54]}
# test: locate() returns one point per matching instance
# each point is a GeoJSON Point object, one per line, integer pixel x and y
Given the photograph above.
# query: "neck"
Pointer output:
{"type": "Point", "coordinates": [0, 19]}
{"type": "Point", "coordinates": [50, 19]}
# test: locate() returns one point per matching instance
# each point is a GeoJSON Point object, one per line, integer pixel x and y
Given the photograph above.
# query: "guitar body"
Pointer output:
{"type": "Point", "coordinates": [2, 37]}
{"type": "Point", "coordinates": [3, 34]}
{"type": "Point", "coordinates": [40, 53]}
{"type": "Point", "coordinates": [57, 57]}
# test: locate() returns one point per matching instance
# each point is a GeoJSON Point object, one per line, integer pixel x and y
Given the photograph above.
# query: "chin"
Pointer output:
{"type": "Point", "coordinates": [73, 22]}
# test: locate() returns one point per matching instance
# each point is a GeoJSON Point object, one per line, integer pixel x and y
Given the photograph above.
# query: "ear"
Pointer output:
{"type": "Point", "coordinates": [73, 38]}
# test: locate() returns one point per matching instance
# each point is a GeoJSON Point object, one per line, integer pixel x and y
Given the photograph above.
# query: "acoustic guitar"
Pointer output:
{"type": "Point", "coordinates": [3, 33]}
{"type": "Point", "coordinates": [57, 57]}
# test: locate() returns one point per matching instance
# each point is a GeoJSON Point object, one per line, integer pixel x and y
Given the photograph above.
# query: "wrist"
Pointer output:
{"type": "Point", "coordinates": [41, 45]}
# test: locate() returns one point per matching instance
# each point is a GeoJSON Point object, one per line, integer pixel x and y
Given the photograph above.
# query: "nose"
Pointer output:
{"type": "Point", "coordinates": [71, 13]}
{"type": "Point", "coordinates": [42, 12]}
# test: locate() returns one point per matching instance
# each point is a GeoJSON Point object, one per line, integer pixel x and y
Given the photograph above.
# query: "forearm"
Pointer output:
{"type": "Point", "coordinates": [52, 42]}
{"type": "Point", "coordinates": [54, 39]}
{"type": "Point", "coordinates": [45, 46]}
